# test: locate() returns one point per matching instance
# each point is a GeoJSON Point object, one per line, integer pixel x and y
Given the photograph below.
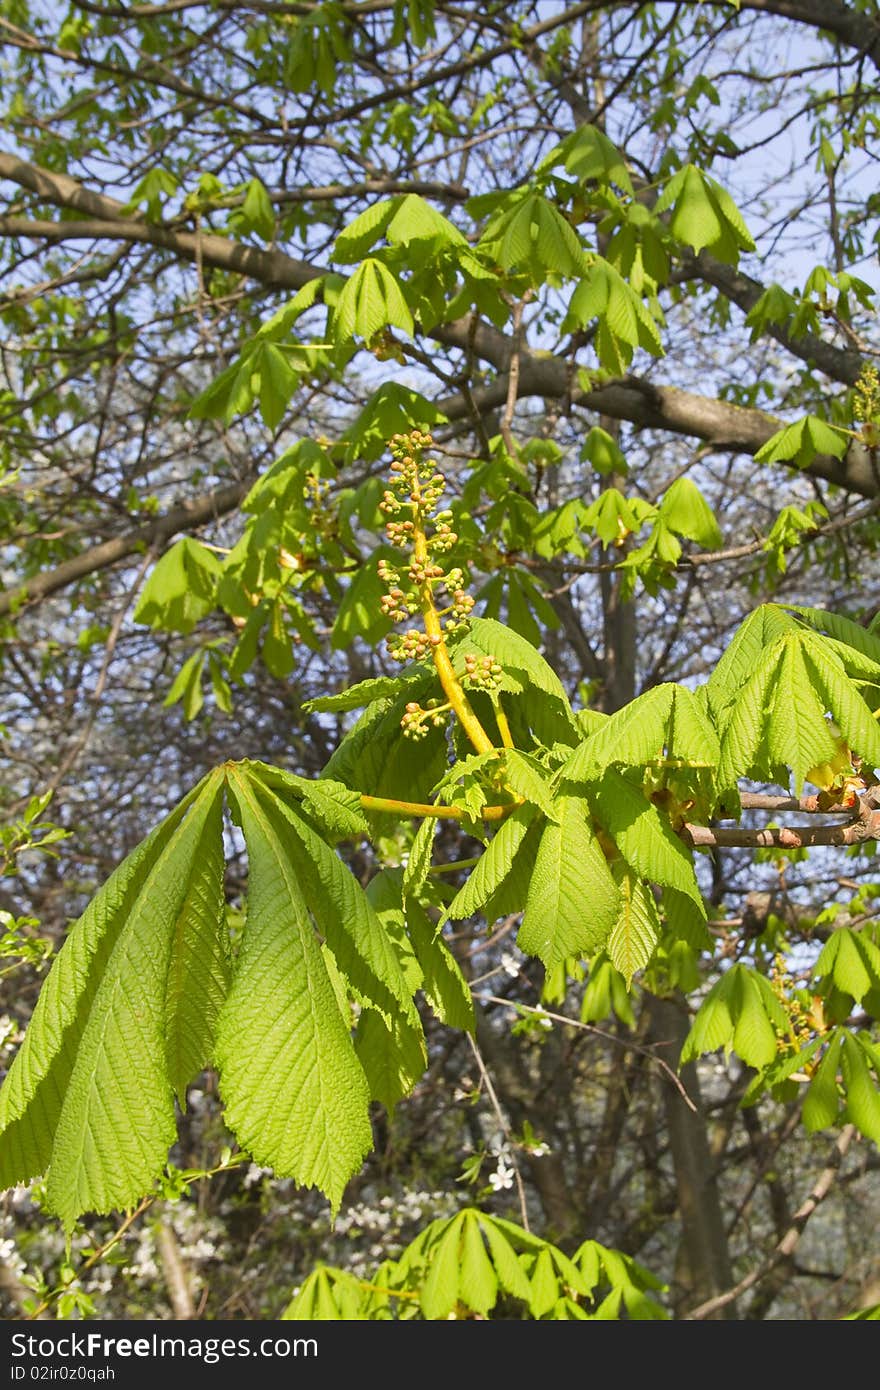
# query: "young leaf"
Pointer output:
{"type": "Point", "coordinates": [526, 777]}
{"type": "Point", "coordinates": [521, 664]}
{"type": "Point", "coordinates": [844, 630]}
{"type": "Point", "coordinates": [748, 645]}
{"type": "Point", "coordinates": [346, 918]}
{"type": "Point", "coordinates": [644, 837]}
{"type": "Point", "coordinates": [361, 235]}
{"type": "Point", "coordinates": [296, 1095]}
{"type": "Point", "coordinates": [704, 215]}
{"type": "Point", "coordinates": [89, 1097]}
{"type": "Point", "coordinates": [862, 1094]}
{"type": "Point", "coordinates": [181, 589]}
{"type": "Point", "coordinates": [393, 1056]}
{"type": "Point", "coordinates": [851, 961]}
{"type": "Point", "coordinates": [573, 901]}
{"type": "Point", "coordinates": [418, 862]}
{"type": "Point", "coordinates": [839, 695]}
{"type": "Point", "coordinates": [686, 511]}
{"type": "Point", "coordinates": [801, 442]}
{"type": "Point", "coordinates": [370, 301]}
{"type": "Point", "coordinates": [822, 1101]}
{"type": "Point", "coordinates": [200, 966]}
{"type": "Point", "coordinates": [493, 865]}
{"type": "Point", "coordinates": [443, 984]}
{"type": "Point", "coordinates": [743, 745]}
{"type": "Point", "coordinates": [739, 1012]}
{"type": "Point", "coordinates": [798, 734]}
{"type": "Point", "coordinates": [632, 736]}
{"type": "Point", "coordinates": [635, 933]}
{"type": "Point", "coordinates": [412, 682]}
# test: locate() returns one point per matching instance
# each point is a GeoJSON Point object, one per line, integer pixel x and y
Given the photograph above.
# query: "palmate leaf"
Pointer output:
{"type": "Point", "coordinates": [296, 1096]}
{"type": "Point", "coordinates": [778, 719]}
{"type": "Point", "coordinates": [858, 1060]}
{"type": "Point", "coordinates": [851, 960]}
{"type": "Point", "coordinates": [522, 665]}
{"type": "Point", "coordinates": [452, 1264]}
{"type": "Point", "coordinates": [573, 901]}
{"type": "Point", "coordinates": [89, 1099]}
{"type": "Point", "coordinates": [842, 700]}
{"type": "Point", "coordinates": [374, 754]}
{"type": "Point", "coordinates": [412, 682]}
{"type": "Point", "coordinates": [442, 983]}
{"type": "Point", "coordinates": [344, 914]}
{"type": "Point", "coordinates": [798, 733]}
{"type": "Point", "coordinates": [740, 1012]}
{"type": "Point", "coordinates": [525, 776]}
{"type": "Point", "coordinates": [748, 644]}
{"type": "Point", "coordinates": [644, 837]}
{"type": "Point", "coordinates": [371, 300]}
{"type": "Point", "coordinates": [743, 751]}
{"type": "Point", "coordinates": [851, 634]}
{"type": "Point", "coordinates": [666, 722]}
{"type": "Point", "coordinates": [332, 806]}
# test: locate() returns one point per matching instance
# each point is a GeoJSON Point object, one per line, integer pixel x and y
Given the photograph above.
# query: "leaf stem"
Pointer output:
{"type": "Point", "coordinates": [420, 808]}
{"type": "Point", "coordinates": [501, 721]}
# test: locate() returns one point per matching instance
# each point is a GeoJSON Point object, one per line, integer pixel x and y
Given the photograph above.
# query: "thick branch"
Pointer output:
{"type": "Point", "coordinates": [850, 26]}
{"type": "Point", "coordinates": [742, 290]}
{"type": "Point", "coordinates": [727, 428]}
{"type": "Point", "coordinates": [865, 827]}
{"type": "Point", "coordinates": [183, 518]}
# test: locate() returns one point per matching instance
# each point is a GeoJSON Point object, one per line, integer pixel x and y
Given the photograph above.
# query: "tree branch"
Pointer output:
{"type": "Point", "coordinates": [786, 1246]}
{"type": "Point", "coordinates": [153, 535]}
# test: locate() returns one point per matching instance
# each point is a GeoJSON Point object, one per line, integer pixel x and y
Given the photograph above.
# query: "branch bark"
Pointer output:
{"type": "Point", "coordinates": [784, 1249]}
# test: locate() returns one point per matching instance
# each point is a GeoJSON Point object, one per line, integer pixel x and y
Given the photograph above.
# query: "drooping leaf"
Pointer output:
{"type": "Point", "coordinates": [89, 1097]}
{"type": "Point", "coordinates": [573, 901]}
{"type": "Point", "coordinates": [852, 962]}
{"type": "Point", "coordinates": [801, 442]}
{"type": "Point", "coordinates": [443, 984]}
{"type": "Point", "coordinates": [644, 837]}
{"type": "Point", "coordinates": [861, 1087]}
{"type": "Point", "coordinates": [686, 511]}
{"type": "Point", "coordinates": [493, 865]}
{"type": "Point", "coordinates": [702, 214]}
{"type": "Point", "coordinates": [181, 589]}
{"type": "Point", "coordinates": [822, 1102]}
{"type": "Point", "coordinates": [296, 1095]}
{"type": "Point", "coordinates": [636, 931]}
{"type": "Point", "coordinates": [371, 300]}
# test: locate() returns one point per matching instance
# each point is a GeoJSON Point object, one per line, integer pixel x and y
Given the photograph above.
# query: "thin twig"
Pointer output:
{"type": "Point", "coordinates": [785, 1247]}
{"type": "Point", "coordinates": [600, 1033]}
{"type": "Point", "coordinates": [505, 1129]}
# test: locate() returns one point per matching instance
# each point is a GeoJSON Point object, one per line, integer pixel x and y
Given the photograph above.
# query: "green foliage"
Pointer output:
{"type": "Point", "coordinates": [89, 1097]}
{"type": "Point", "coordinates": [149, 987]}
{"type": "Point", "coordinates": [740, 1013]}
{"type": "Point", "coordinates": [476, 1265]}
{"type": "Point", "coordinates": [800, 443]}
{"type": "Point", "coordinates": [181, 589]}
{"type": "Point", "coordinates": [703, 215]}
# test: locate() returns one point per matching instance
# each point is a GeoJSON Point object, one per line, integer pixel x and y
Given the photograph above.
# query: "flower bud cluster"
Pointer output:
{"type": "Point", "coordinates": [322, 514]}
{"type": "Point", "coordinates": [418, 722]}
{"type": "Point", "coordinates": [409, 502]}
{"type": "Point", "coordinates": [482, 673]}
{"type": "Point", "coordinates": [411, 645]}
